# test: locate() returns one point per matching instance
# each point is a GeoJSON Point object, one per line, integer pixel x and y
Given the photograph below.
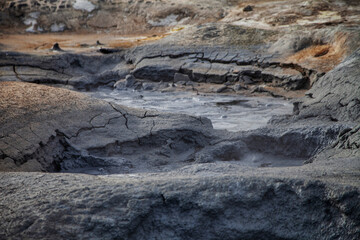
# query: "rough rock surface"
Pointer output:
{"type": "Point", "coordinates": [195, 203]}
{"type": "Point", "coordinates": [137, 16]}
{"type": "Point", "coordinates": [123, 16]}
{"type": "Point", "coordinates": [337, 94]}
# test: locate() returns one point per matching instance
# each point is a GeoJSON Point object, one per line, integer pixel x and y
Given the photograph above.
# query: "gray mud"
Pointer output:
{"type": "Point", "coordinates": [231, 112]}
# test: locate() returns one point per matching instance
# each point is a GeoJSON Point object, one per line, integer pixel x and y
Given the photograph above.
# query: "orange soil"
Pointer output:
{"type": "Point", "coordinates": [41, 43]}
{"type": "Point", "coordinates": [322, 57]}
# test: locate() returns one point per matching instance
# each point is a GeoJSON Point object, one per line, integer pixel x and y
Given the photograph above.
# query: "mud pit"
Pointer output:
{"type": "Point", "coordinates": [201, 120]}
{"type": "Point", "coordinates": [233, 113]}
{"type": "Point", "coordinates": [227, 112]}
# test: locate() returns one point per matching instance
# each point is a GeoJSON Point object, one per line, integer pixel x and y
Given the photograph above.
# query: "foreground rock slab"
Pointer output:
{"type": "Point", "coordinates": [194, 203]}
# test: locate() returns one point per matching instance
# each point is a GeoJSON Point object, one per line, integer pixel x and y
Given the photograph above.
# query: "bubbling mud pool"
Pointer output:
{"type": "Point", "coordinates": [230, 112]}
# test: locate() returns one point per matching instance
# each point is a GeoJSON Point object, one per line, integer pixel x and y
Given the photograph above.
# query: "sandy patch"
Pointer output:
{"type": "Point", "coordinates": [77, 43]}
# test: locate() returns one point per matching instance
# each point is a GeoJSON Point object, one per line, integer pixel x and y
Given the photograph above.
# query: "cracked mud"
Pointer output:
{"type": "Point", "coordinates": [180, 119]}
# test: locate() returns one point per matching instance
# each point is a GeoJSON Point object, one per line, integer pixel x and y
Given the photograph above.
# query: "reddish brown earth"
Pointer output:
{"type": "Point", "coordinates": [73, 42]}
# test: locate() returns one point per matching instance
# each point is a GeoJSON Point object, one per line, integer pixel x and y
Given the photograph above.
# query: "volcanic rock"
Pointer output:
{"type": "Point", "coordinates": [248, 8]}
{"type": "Point", "coordinates": [56, 47]}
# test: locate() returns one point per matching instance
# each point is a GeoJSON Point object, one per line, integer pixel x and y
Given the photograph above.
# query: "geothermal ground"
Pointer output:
{"type": "Point", "coordinates": [162, 119]}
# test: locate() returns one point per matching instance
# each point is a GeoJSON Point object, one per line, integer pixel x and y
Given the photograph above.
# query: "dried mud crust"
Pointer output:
{"type": "Point", "coordinates": [174, 176]}
{"type": "Point", "coordinates": [90, 132]}
{"type": "Point", "coordinates": [148, 207]}
{"type": "Point", "coordinates": [335, 95]}
{"type": "Point", "coordinates": [183, 180]}
{"type": "Point", "coordinates": [86, 125]}
{"type": "Point", "coordinates": [50, 129]}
